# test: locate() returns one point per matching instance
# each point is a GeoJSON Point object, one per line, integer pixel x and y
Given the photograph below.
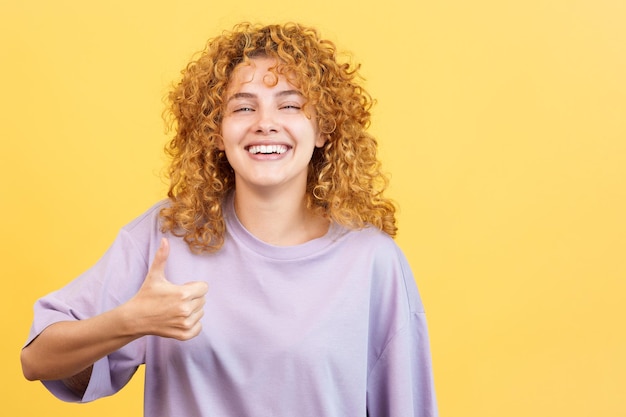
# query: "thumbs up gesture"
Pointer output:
{"type": "Point", "coordinates": [165, 309]}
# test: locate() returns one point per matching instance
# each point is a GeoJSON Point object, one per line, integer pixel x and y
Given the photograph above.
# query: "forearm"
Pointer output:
{"type": "Point", "coordinates": [78, 383]}
{"type": "Point", "coordinates": [159, 308]}
{"type": "Point", "coordinates": [67, 348]}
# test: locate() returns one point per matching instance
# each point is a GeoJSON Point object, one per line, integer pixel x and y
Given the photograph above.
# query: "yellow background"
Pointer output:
{"type": "Point", "coordinates": [503, 124]}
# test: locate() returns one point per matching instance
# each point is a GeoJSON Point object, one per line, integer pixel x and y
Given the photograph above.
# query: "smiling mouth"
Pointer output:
{"type": "Point", "coordinates": [267, 149]}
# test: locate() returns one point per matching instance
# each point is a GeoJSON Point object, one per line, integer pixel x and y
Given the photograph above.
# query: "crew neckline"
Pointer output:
{"type": "Point", "coordinates": [292, 252]}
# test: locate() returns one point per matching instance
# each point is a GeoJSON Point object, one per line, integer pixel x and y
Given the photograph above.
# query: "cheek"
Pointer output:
{"type": "Point", "coordinates": [227, 133]}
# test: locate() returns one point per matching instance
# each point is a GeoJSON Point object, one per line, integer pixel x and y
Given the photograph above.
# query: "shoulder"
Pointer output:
{"type": "Point", "coordinates": [390, 270]}
{"type": "Point", "coordinates": [147, 224]}
{"type": "Point", "coordinates": [377, 248]}
{"type": "Point", "coordinates": [373, 242]}
{"type": "Point", "coordinates": [149, 219]}
{"type": "Point", "coordinates": [142, 234]}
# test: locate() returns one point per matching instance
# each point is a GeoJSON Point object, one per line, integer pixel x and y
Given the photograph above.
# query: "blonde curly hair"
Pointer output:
{"type": "Point", "coordinates": [345, 182]}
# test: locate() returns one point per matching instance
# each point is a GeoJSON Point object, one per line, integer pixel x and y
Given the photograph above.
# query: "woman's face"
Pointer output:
{"type": "Point", "coordinates": [268, 133]}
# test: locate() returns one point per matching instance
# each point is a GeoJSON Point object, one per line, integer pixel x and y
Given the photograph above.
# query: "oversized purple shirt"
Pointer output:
{"type": "Point", "coordinates": [331, 328]}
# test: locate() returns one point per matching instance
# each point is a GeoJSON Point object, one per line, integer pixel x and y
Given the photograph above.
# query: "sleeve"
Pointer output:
{"type": "Point", "coordinates": [114, 279]}
{"type": "Point", "coordinates": [400, 379]}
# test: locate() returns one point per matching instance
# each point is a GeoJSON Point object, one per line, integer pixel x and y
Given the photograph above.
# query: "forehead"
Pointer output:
{"type": "Point", "coordinates": [257, 71]}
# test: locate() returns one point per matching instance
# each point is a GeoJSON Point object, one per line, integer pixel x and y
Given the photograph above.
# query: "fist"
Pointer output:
{"type": "Point", "coordinates": [165, 309]}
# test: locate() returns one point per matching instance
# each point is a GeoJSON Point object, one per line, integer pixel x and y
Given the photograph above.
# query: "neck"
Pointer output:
{"type": "Point", "coordinates": [279, 219]}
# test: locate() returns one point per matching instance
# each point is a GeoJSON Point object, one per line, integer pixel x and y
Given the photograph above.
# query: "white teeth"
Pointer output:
{"type": "Point", "coordinates": [267, 149]}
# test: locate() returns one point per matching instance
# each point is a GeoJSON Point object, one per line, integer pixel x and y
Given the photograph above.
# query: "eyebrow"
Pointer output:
{"type": "Point", "coordinates": [251, 95]}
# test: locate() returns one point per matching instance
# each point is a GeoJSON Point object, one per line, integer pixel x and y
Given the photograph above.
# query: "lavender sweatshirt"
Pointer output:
{"type": "Point", "coordinates": [331, 328]}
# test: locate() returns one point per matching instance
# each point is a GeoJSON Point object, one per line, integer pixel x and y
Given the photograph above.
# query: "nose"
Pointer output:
{"type": "Point", "coordinates": [266, 123]}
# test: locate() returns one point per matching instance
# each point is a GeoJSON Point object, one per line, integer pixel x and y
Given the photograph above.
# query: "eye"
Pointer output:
{"type": "Point", "coordinates": [243, 109]}
{"type": "Point", "coordinates": [291, 107]}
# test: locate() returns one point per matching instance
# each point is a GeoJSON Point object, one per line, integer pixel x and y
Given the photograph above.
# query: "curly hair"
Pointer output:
{"type": "Point", "coordinates": [345, 182]}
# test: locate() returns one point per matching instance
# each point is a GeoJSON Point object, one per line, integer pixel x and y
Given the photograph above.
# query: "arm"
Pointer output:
{"type": "Point", "coordinates": [401, 381]}
{"type": "Point", "coordinates": [78, 383]}
{"type": "Point", "coordinates": [66, 350]}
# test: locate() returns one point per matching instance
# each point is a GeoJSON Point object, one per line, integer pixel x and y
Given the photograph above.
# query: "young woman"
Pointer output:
{"type": "Point", "coordinates": [268, 283]}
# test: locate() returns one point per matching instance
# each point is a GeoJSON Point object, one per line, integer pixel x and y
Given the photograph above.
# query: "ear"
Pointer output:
{"type": "Point", "coordinates": [219, 143]}
{"type": "Point", "coordinates": [320, 141]}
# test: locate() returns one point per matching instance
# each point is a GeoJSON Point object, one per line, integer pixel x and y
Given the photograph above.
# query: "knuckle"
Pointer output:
{"type": "Point", "coordinates": [185, 311]}
{"type": "Point", "coordinates": [190, 333]}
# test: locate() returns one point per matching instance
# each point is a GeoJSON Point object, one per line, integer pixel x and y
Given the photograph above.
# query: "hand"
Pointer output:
{"type": "Point", "coordinates": [165, 309]}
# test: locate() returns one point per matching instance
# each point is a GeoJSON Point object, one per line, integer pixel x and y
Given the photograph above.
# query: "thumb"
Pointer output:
{"type": "Point", "coordinates": [157, 269]}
